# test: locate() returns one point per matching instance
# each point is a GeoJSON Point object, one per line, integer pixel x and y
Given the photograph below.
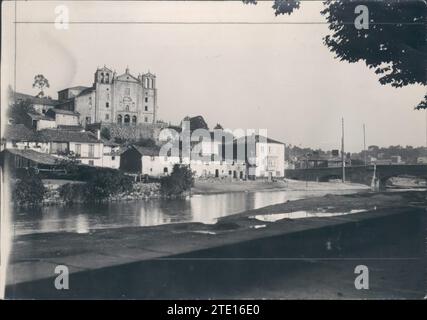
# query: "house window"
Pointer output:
{"type": "Point", "coordinates": [78, 149]}
{"type": "Point", "coordinates": [165, 170]}
{"type": "Point", "coordinates": [107, 104]}
{"type": "Point", "coordinates": [146, 108]}
{"type": "Point", "coordinates": [91, 151]}
{"type": "Point", "coordinates": [134, 120]}
{"type": "Point", "coordinates": [59, 147]}
{"type": "Point", "coordinates": [146, 99]}
{"type": "Point", "coordinates": [91, 162]}
{"type": "Point", "coordinates": [146, 119]}
{"type": "Point", "coordinates": [113, 158]}
{"type": "Point", "coordinates": [107, 116]}
{"type": "Point", "coordinates": [119, 119]}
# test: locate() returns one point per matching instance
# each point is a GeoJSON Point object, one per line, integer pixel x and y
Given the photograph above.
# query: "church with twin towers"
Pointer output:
{"type": "Point", "coordinates": [122, 99]}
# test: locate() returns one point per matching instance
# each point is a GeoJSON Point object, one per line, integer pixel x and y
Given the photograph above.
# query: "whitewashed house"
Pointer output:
{"type": "Point", "coordinates": [147, 161]}
{"type": "Point", "coordinates": [86, 146]}
{"type": "Point", "coordinates": [111, 155]}
{"type": "Point", "coordinates": [64, 117]}
{"type": "Point", "coordinates": [265, 157]}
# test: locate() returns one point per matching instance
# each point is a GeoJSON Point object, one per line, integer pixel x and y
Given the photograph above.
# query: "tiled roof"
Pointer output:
{"type": "Point", "coordinates": [38, 116]}
{"type": "Point", "coordinates": [75, 88]}
{"type": "Point", "coordinates": [55, 135]}
{"type": "Point", "coordinates": [63, 111]}
{"type": "Point", "coordinates": [18, 132]}
{"type": "Point", "coordinates": [74, 128]}
{"type": "Point", "coordinates": [257, 139]}
{"type": "Point", "coordinates": [147, 151]}
{"type": "Point", "coordinates": [35, 156]}
{"type": "Point", "coordinates": [35, 100]}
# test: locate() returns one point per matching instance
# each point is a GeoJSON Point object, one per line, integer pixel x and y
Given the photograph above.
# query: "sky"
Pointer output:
{"type": "Point", "coordinates": [255, 74]}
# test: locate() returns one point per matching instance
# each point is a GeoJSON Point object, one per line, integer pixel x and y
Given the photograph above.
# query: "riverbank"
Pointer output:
{"type": "Point", "coordinates": [146, 191]}
{"type": "Point", "coordinates": [35, 256]}
{"type": "Point", "coordinates": [216, 186]}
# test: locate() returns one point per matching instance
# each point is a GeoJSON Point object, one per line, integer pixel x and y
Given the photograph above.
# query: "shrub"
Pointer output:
{"type": "Point", "coordinates": [180, 181]}
{"type": "Point", "coordinates": [105, 133]}
{"type": "Point", "coordinates": [73, 192]}
{"type": "Point", "coordinates": [105, 184]}
{"type": "Point", "coordinates": [29, 190]}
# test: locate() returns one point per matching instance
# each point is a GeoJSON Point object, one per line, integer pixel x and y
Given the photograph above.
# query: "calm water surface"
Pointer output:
{"type": "Point", "coordinates": [198, 208]}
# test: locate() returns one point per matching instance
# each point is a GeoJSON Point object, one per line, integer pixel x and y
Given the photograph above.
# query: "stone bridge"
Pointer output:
{"type": "Point", "coordinates": [358, 174]}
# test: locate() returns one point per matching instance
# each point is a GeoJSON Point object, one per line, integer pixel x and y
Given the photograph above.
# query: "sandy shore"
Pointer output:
{"type": "Point", "coordinates": [226, 186]}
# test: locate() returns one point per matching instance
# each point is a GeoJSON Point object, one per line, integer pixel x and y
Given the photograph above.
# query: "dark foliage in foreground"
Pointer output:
{"type": "Point", "coordinates": [28, 190]}
{"type": "Point", "coordinates": [100, 186]}
{"type": "Point", "coordinates": [180, 181]}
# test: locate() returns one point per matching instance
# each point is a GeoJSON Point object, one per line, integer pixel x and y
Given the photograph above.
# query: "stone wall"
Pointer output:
{"type": "Point", "coordinates": [130, 132]}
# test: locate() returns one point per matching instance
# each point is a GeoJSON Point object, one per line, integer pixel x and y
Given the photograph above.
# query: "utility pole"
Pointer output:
{"type": "Point", "coordinates": [342, 150]}
{"type": "Point", "coordinates": [364, 143]}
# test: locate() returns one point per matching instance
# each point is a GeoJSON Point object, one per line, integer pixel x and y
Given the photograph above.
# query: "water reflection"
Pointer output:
{"type": "Point", "coordinates": [199, 208]}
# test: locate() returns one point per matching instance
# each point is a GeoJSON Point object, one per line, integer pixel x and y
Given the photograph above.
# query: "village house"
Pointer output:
{"type": "Point", "coordinates": [84, 145]}
{"type": "Point", "coordinates": [18, 136]}
{"type": "Point", "coordinates": [111, 154]}
{"type": "Point", "coordinates": [41, 105]}
{"type": "Point", "coordinates": [39, 121]}
{"type": "Point", "coordinates": [15, 159]}
{"type": "Point", "coordinates": [147, 161]}
{"type": "Point", "coordinates": [265, 157]}
{"type": "Point", "coordinates": [63, 117]}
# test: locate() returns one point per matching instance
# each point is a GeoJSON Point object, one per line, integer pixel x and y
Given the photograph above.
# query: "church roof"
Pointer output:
{"type": "Point", "coordinates": [75, 88]}
{"type": "Point", "coordinates": [86, 91]}
{"type": "Point", "coordinates": [127, 77]}
{"type": "Point", "coordinates": [104, 68]}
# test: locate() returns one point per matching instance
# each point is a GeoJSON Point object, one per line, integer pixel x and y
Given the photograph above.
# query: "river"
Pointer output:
{"type": "Point", "coordinates": [206, 208]}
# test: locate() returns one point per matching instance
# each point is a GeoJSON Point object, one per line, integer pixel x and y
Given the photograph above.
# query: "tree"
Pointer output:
{"type": "Point", "coordinates": [280, 6]}
{"type": "Point", "coordinates": [29, 190]}
{"type": "Point", "coordinates": [40, 82]}
{"type": "Point", "coordinates": [394, 45]}
{"type": "Point", "coordinates": [18, 111]}
{"type": "Point", "coordinates": [105, 133]}
{"type": "Point", "coordinates": [180, 181]}
{"type": "Point", "coordinates": [103, 184]}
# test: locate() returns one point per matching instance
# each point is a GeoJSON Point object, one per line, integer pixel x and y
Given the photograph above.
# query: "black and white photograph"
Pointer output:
{"type": "Point", "coordinates": [237, 150]}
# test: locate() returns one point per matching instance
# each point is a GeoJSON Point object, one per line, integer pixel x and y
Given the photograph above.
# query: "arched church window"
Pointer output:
{"type": "Point", "coordinates": [127, 107]}
{"type": "Point", "coordinates": [134, 120]}
{"type": "Point", "coordinates": [119, 119]}
{"type": "Point", "coordinates": [102, 77]}
{"type": "Point", "coordinates": [107, 78]}
{"type": "Point", "coordinates": [127, 119]}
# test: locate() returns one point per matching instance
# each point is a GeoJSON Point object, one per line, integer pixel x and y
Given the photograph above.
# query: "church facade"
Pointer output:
{"type": "Point", "coordinates": [120, 99]}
